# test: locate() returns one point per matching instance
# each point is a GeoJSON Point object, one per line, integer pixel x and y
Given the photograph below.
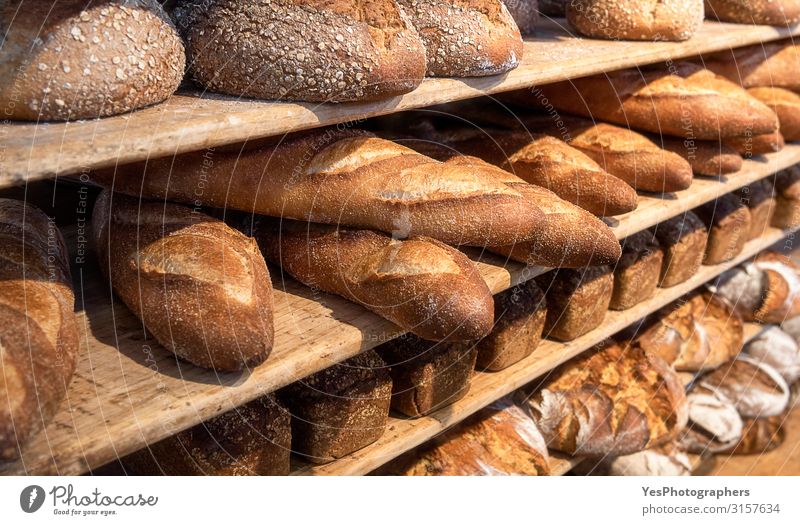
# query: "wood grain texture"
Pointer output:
{"type": "Point", "coordinates": [192, 120]}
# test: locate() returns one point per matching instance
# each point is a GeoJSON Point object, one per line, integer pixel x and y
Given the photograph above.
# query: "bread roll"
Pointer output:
{"type": "Point", "coordinates": [674, 20]}
{"type": "Point", "coordinates": [637, 273]}
{"type": "Point", "coordinates": [577, 300]}
{"type": "Point", "coordinates": [767, 12]}
{"type": "Point", "coordinates": [728, 222]}
{"type": "Point", "coordinates": [714, 423]}
{"type": "Point", "coordinates": [200, 287]}
{"type": "Point", "coordinates": [785, 104]}
{"type": "Point", "coordinates": [466, 38]}
{"type": "Point", "coordinates": [759, 198]}
{"type": "Point", "coordinates": [750, 146]}
{"type": "Point", "coordinates": [315, 50]}
{"type": "Point", "coordinates": [787, 198]}
{"type": "Point", "coordinates": [420, 284]}
{"type": "Point", "coordinates": [756, 389]}
{"type": "Point", "coordinates": [39, 340]}
{"type": "Point", "coordinates": [777, 349]}
{"type": "Point", "coordinates": [712, 159]}
{"type": "Point", "coordinates": [79, 59]}
{"type": "Point", "coordinates": [766, 64]}
{"type": "Point", "coordinates": [525, 13]}
{"type": "Point", "coordinates": [683, 239]}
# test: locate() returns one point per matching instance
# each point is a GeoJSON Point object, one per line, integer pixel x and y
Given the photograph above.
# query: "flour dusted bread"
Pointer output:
{"type": "Point", "coordinates": [199, 286]}
{"type": "Point", "coordinates": [728, 221]}
{"type": "Point", "coordinates": [768, 12]}
{"type": "Point", "coordinates": [577, 300]}
{"type": "Point", "coordinates": [714, 423]}
{"type": "Point", "coordinates": [674, 20]}
{"type": "Point", "coordinates": [79, 59]}
{"type": "Point", "coordinates": [313, 50]}
{"type": "Point", "coordinates": [766, 64]}
{"type": "Point", "coordinates": [779, 350]}
{"type": "Point", "coordinates": [637, 273]}
{"type": "Point", "coordinates": [787, 198]}
{"type": "Point", "coordinates": [683, 239]}
{"type": "Point", "coordinates": [664, 460]}
{"type": "Point", "coordinates": [755, 388]}
{"type": "Point", "coordinates": [39, 339]}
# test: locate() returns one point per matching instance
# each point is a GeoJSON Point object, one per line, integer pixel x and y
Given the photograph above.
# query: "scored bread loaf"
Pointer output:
{"type": "Point", "coordinates": [314, 50]}
{"type": "Point", "coordinates": [766, 64]}
{"type": "Point", "coordinates": [345, 177]}
{"type": "Point", "coordinates": [785, 104]}
{"type": "Point", "coordinates": [637, 273]}
{"type": "Point", "coordinates": [714, 423]}
{"type": "Point", "coordinates": [761, 434]}
{"type": "Point", "coordinates": [711, 159]}
{"type": "Point", "coordinates": [779, 350]}
{"type": "Point", "coordinates": [39, 340]}
{"type": "Point", "coordinates": [749, 146]}
{"type": "Point", "coordinates": [200, 287]}
{"type": "Point", "coordinates": [759, 198]}
{"type": "Point", "coordinates": [664, 460]}
{"type": "Point", "coordinates": [767, 12]}
{"type": "Point", "coordinates": [577, 300]}
{"type": "Point", "coordinates": [781, 293]}
{"type": "Point", "coordinates": [79, 59]}
{"type": "Point", "coordinates": [422, 285]}
{"type": "Point", "coordinates": [683, 239]}
{"type": "Point", "coordinates": [525, 14]}
{"type": "Point", "coordinates": [755, 388]}
{"type": "Point", "coordinates": [787, 198]}
{"type": "Point", "coordinates": [728, 222]}
{"type": "Point", "coordinates": [466, 38]}
{"type": "Point", "coordinates": [674, 20]}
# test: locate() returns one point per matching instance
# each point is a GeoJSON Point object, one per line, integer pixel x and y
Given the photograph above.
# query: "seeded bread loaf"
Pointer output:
{"type": "Point", "coordinates": [637, 273]}
{"type": "Point", "coordinates": [728, 222]}
{"type": "Point", "coordinates": [577, 300]}
{"type": "Point", "coordinates": [683, 239]}
{"type": "Point", "coordinates": [759, 198]}
{"type": "Point", "coordinates": [674, 20]}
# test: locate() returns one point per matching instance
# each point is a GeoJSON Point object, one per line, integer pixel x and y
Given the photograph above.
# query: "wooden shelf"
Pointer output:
{"type": "Point", "coordinates": [403, 434]}
{"type": "Point", "coordinates": [190, 121]}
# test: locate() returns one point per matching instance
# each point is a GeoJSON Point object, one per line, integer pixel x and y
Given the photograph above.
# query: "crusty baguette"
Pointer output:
{"type": "Point", "coordinates": [422, 285]}
{"type": "Point", "coordinates": [684, 101]}
{"type": "Point", "coordinates": [766, 64]}
{"type": "Point", "coordinates": [674, 20]}
{"type": "Point", "coordinates": [351, 178]}
{"type": "Point", "coordinates": [200, 287]}
{"type": "Point", "coordinates": [711, 159]}
{"type": "Point", "coordinates": [313, 50]}
{"type": "Point", "coordinates": [466, 38]}
{"type": "Point", "coordinates": [766, 12]}
{"type": "Point", "coordinates": [785, 104]}
{"type": "Point", "coordinates": [39, 338]}
{"type": "Point", "coordinates": [77, 59]}
{"type": "Point", "coordinates": [749, 146]}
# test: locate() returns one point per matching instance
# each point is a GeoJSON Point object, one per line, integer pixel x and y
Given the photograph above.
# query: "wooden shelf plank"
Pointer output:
{"type": "Point", "coordinates": [403, 435]}
{"type": "Point", "coordinates": [191, 120]}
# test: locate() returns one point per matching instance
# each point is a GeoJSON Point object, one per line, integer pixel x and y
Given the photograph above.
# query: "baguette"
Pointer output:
{"type": "Point", "coordinates": [785, 104]}
{"type": "Point", "coordinates": [750, 146]}
{"type": "Point", "coordinates": [351, 178]}
{"type": "Point", "coordinates": [39, 341]}
{"type": "Point", "coordinates": [674, 20]}
{"type": "Point", "coordinates": [766, 64]}
{"type": "Point", "coordinates": [766, 12]}
{"type": "Point", "coordinates": [711, 159]}
{"type": "Point", "coordinates": [420, 284]}
{"type": "Point", "coordinates": [200, 287]}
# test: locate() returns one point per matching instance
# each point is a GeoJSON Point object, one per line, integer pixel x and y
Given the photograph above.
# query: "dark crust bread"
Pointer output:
{"type": "Point", "coordinates": [728, 221]}
{"type": "Point", "coordinates": [683, 240]}
{"type": "Point", "coordinates": [759, 197]}
{"type": "Point", "coordinates": [637, 273]}
{"type": "Point", "coordinates": [787, 195]}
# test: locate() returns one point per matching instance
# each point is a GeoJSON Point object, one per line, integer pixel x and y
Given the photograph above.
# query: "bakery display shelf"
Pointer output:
{"type": "Point", "coordinates": [192, 120]}
{"type": "Point", "coordinates": [128, 391]}
{"type": "Point", "coordinates": [404, 434]}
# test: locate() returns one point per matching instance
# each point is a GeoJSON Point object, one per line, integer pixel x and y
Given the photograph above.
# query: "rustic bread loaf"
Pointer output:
{"type": "Point", "coordinates": [674, 20]}
{"type": "Point", "coordinates": [420, 284]}
{"type": "Point", "coordinates": [744, 288]}
{"type": "Point", "coordinates": [637, 273]}
{"type": "Point", "coordinates": [767, 12]}
{"type": "Point", "coordinates": [781, 294]}
{"type": "Point", "coordinates": [427, 376]}
{"type": "Point", "coordinates": [761, 435]}
{"type": "Point", "coordinates": [750, 146]}
{"type": "Point", "coordinates": [200, 287]}
{"type": "Point", "coordinates": [251, 440]}
{"type": "Point", "coordinates": [785, 104]}
{"type": "Point", "coordinates": [777, 349]}
{"type": "Point", "coordinates": [728, 222]}
{"type": "Point", "coordinates": [714, 423]}
{"type": "Point", "coordinates": [792, 327]}
{"type": "Point", "coordinates": [577, 300]}
{"type": "Point", "coordinates": [755, 388]}
{"type": "Point", "coordinates": [766, 64]}
{"type": "Point", "coordinates": [339, 410]}
{"type": "Point", "coordinates": [525, 14]}
{"type": "Point", "coordinates": [787, 198]}
{"type": "Point", "coordinates": [712, 159]}
{"type": "Point", "coordinates": [78, 59]}
{"type": "Point", "coordinates": [759, 198]}
{"type": "Point", "coordinates": [314, 50]}
{"type": "Point", "coordinates": [346, 177]}
{"type": "Point", "coordinates": [519, 313]}
{"type": "Point", "coordinates": [39, 339]}
{"type": "Point", "coordinates": [466, 38]}
{"type": "Point", "coordinates": [683, 239]}
{"type": "Point", "coordinates": [664, 460]}
{"type": "Point", "coordinates": [611, 400]}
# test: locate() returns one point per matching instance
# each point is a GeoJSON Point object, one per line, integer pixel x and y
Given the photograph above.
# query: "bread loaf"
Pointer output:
{"type": "Point", "coordinates": [427, 376]}
{"type": "Point", "coordinates": [79, 59]}
{"type": "Point", "coordinates": [714, 423]}
{"type": "Point", "coordinates": [787, 198]}
{"type": "Point", "coordinates": [637, 273]}
{"type": "Point", "coordinates": [683, 239]}
{"type": "Point", "coordinates": [252, 440]}
{"type": "Point", "coordinates": [39, 340]}
{"type": "Point", "coordinates": [759, 198]}
{"type": "Point", "coordinates": [466, 38]}
{"type": "Point", "coordinates": [756, 389]}
{"type": "Point", "coordinates": [577, 300]}
{"type": "Point", "coordinates": [777, 349]}
{"type": "Point", "coordinates": [420, 284]}
{"type": "Point", "coordinates": [728, 222]}
{"type": "Point", "coordinates": [665, 460]}
{"type": "Point", "coordinates": [767, 12]}
{"type": "Point", "coordinates": [750, 146]}
{"type": "Point", "coordinates": [339, 410]}
{"type": "Point", "coordinates": [200, 287]}
{"type": "Point", "coordinates": [785, 104]}
{"type": "Point", "coordinates": [315, 50]}
{"type": "Point", "coordinates": [348, 177]}
{"type": "Point", "coordinates": [744, 288]}
{"type": "Point", "coordinates": [766, 64]}
{"type": "Point", "coordinates": [611, 400]}
{"type": "Point", "coordinates": [525, 14]}
{"type": "Point", "coordinates": [553, 7]}
{"type": "Point", "coordinates": [781, 294]}
{"type": "Point", "coordinates": [761, 435]}
{"type": "Point", "coordinates": [712, 159]}
{"type": "Point", "coordinates": [674, 20]}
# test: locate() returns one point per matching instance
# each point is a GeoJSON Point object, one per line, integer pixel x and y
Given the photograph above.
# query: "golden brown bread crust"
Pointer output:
{"type": "Point", "coordinates": [611, 400]}
{"type": "Point", "coordinates": [577, 300]}
{"type": "Point", "coordinates": [313, 50]}
{"type": "Point", "coordinates": [251, 440]}
{"type": "Point", "coordinates": [750, 146]}
{"type": "Point", "coordinates": [77, 59]}
{"type": "Point", "coordinates": [762, 434]}
{"type": "Point", "coordinates": [766, 64]}
{"type": "Point", "coordinates": [420, 284]}
{"type": "Point", "coordinates": [728, 222]}
{"type": "Point", "coordinates": [785, 104]}
{"type": "Point", "coordinates": [39, 340]}
{"type": "Point", "coordinates": [525, 14]}
{"type": "Point", "coordinates": [781, 293]}
{"type": "Point", "coordinates": [683, 239]}
{"type": "Point", "coordinates": [637, 273]}
{"type": "Point", "coordinates": [766, 12]}
{"type": "Point", "coordinates": [755, 388]}
{"type": "Point", "coordinates": [787, 198]}
{"type": "Point", "coordinates": [200, 287]}
{"type": "Point", "coordinates": [674, 20]}
{"type": "Point", "coordinates": [712, 159]}
{"type": "Point", "coordinates": [759, 197]}
{"type": "Point", "coordinates": [466, 38]}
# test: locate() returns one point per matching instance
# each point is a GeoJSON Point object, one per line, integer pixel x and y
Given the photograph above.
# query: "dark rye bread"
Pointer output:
{"type": "Point", "coordinates": [766, 12]}
{"type": "Point", "coordinates": [683, 239]}
{"type": "Point", "coordinates": [637, 273]}
{"type": "Point", "coordinates": [339, 410]}
{"type": "Point", "coordinates": [466, 38]}
{"type": "Point", "coordinates": [728, 221]}
{"type": "Point", "coordinates": [313, 50]}
{"type": "Point", "coordinates": [711, 159]}
{"type": "Point", "coordinates": [79, 59]}
{"type": "Point", "coordinates": [759, 198]}
{"type": "Point", "coordinates": [577, 300]}
{"type": "Point", "coordinates": [674, 20]}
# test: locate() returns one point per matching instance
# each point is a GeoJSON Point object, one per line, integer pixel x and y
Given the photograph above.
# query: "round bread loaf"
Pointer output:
{"type": "Point", "coordinates": [636, 19]}
{"type": "Point", "coordinates": [312, 50]}
{"type": "Point", "coordinates": [756, 389]}
{"type": "Point", "coordinates": [77, 59]}
{"type": "Point", "coordinates": [666, 460]}
{"type": "Point", "coordinates": [768, 12]}
{"type": "Point", "coordinates": [779, 350]}
{"type": "Point", "coordinates": [714, 423]}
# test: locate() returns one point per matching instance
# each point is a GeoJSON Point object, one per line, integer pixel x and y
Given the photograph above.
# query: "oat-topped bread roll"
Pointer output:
{"type": "Point", "coordinates": [577, 300]}
{"type": "Point", "coordinates": [712, 159]}
{"type": "Point", "coordinates": [755, 388]}
{"type": "Point", "coordinates": [500, 440]}
{"type": "Point", "coordinates": [312, 50]}
{"type": "Point", "coordinates": [466, 38]}
{"type": "Point", "coordinates": [779, 350]}
{"type": "Point", "coordinates": [701, 333]}
{"type": "Point", "coordinates": [787, 198]}
{"type": "Point", "coordinates": [714, 423]}
{"type": "Point", "coordinates": [611, 400]}
{"type": "Point", "coordinates": [39, 340]}
{"type": "Point", "coordinates": [199, 286]}
{"type": "Point", "coordinates": [78, 59]}
{"type": "Point", "coordinates": [767, 12]}
{"type": "Point", "coordinates": [759, 198]}
{"type": "Point", "coordinates": [766, 64]}
{"type": "Point", "coordinates": [728, 222]}
{"type": "Point", "coordinates": [785, 104]}
{"type": "Point", "coordinates": [683, 239]}
{"type": "Point", "coordinates": [252, 440]}
{"type": "Point", "coordinates": [422, 285]}
{"type": "Point", "coordinates": [683, 101]}
{"type": "Point", "coordinates": [637, 273]}
{"type": "Point", "coordinates": [674, 20]}
{"type": "Point", "coordinates": [525, 13]}
{"type": "Point", "coordinates": [343, 177]}
{"type": "Point", "coordinates": [750, 146]}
